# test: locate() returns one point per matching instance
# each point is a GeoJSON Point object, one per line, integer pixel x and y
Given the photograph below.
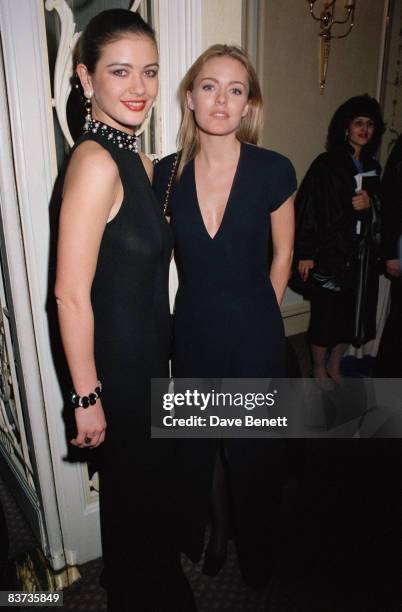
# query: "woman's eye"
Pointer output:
{"type": "Point", "coordinates": [207, 87]}
{"type": "Point", "coordinates": [360, 123]}
{"type": "Point", "coordinates": [151, 73]}
{"type": "Point", "coordinates": [120, 72]}
{"type": "Point", "coordinates": [236, 91]}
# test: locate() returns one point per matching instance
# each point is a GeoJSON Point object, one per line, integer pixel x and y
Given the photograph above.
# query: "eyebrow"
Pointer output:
{"type": "Point", "coordinates": [216, 81]}
{"type": "Point", "coordinates": [155, 64]}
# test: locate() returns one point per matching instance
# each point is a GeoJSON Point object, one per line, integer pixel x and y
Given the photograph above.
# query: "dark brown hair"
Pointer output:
{"type": "Point", "coordinates": [106, 27]}
{"type": "Point", "coordinates": [358, 106]}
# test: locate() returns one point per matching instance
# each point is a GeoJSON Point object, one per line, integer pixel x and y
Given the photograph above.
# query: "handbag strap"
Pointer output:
{"type": "Point", "coordinates": [170, 183]}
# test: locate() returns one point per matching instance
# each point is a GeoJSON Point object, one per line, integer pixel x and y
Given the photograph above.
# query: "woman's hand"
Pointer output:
{"type": "Point", "coordinates": [91, 424]}
{"type": "Point", "coordinates": [361, 200]}
{"type": "Point", "coordinates": [393, 267]}
{"type": "Point", "coordinates": [304, 267]}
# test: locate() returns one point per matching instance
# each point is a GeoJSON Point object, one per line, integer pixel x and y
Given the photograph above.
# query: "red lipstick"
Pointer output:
{"type": "Point", "coordinates": [134, 105]}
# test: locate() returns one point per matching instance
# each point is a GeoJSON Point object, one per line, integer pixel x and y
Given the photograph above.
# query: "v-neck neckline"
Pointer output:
{"type": "Point", "coordinates": [228, 201]}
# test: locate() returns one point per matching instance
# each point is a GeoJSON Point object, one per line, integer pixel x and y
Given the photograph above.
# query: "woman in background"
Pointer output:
{"type": "Point", "coordinates": [336, 246]}
{"type": "Point", "coordinates": [112, 293]}
{"type": "Point", "coordinates": [228, 197]}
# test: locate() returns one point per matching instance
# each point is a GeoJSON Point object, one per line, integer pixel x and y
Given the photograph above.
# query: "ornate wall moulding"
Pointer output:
{"type": "Point", "coordinates": [64, 68]}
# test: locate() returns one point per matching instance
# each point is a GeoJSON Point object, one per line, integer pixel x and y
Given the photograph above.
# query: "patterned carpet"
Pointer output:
{"type": "Point", "coordinates": [314, 573]}
{"type": "Point", "coordinates": [340, 537]}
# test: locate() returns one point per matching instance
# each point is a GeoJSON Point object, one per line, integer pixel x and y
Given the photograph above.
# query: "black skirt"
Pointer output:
{"type": "Point", "coordinates": [332, 316]}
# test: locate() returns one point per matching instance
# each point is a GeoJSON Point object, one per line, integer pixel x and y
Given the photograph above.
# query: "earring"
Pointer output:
{"type": "Point", "coordinates": [88, 108]}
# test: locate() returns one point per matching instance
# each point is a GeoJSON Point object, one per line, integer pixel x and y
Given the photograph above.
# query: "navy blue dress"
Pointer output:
{"type": "Point", "coordinates": [228, 323]}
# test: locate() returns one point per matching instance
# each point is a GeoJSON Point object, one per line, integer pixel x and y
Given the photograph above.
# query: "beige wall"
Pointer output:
{"type": "Point", "coordinates": [297, 116]}
{"type": "Point", "coordinates": [221, 22]}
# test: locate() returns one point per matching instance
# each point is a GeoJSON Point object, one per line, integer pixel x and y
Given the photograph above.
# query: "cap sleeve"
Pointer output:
{"type": "Point", "coordinates": [283, 182]}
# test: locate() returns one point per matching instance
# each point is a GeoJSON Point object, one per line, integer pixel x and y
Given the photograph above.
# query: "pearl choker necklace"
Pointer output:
{"type": "Point", "coordinates": [117, 137]}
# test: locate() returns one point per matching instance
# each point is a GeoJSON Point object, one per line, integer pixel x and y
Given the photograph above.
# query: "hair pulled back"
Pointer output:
{"type": "Point", "coordinates": [106, 27]}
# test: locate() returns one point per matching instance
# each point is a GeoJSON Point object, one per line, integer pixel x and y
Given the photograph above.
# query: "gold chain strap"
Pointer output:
{"type": "Point", "coordinates": [170, 183]}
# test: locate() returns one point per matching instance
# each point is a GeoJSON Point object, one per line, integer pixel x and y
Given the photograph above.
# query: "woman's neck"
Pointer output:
{"type": "Point", "coordinates": [356, 151]}
{"type": "Point", "coordinates": [103, 118]}
{"type": "Point", "coordinates": [218, 149]}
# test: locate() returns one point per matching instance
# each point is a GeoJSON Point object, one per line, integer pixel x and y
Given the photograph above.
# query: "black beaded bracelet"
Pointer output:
{"type": "Point", "coordinates": [83, 401]}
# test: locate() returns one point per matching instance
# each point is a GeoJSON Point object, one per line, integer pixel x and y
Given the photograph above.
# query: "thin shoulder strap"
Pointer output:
{"type": "Point", "coordinates": [170, 183]}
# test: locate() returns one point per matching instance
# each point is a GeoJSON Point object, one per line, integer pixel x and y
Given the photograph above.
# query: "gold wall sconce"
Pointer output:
{"type": "Point", "coordinates": [328, 20]}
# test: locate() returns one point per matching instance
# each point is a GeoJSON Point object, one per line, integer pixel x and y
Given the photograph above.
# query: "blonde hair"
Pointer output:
{"type": "Point", "coordinates": [250, 126]}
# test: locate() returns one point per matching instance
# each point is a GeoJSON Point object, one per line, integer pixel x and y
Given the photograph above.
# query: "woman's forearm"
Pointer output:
{"type": "Point", "coordinates": [282, 223]}
{"type": "Point", "coordinates": [279, 275]}
{"type": "Point", "coordinates": [77, 333]}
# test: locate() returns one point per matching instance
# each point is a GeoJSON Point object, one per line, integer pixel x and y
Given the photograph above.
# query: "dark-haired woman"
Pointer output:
{"type": "Point", "coordinates": [112, 295]}
{"type": "Point", "coordinates": [336, 243]}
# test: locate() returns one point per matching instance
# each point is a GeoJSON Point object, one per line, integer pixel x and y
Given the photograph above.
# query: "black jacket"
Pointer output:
{"type": "Point", "coordinates": [325, 219]}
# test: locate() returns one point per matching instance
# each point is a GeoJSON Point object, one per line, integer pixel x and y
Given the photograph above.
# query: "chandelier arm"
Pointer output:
{"type": "Point", "coordinates": [327, 20]}
{"type": "Point", "coordinates": [314, 17]}
{"type": "Point", "coordinates": [341, 21]}
{"type": "Point", "coordinates": [350, 15]}
{"type": "Point", "coordinates": [346, 33]}
{"type": "Point", "coordinates": [311, 3]}
{"type": "Point", "coordinates": [327, 28]}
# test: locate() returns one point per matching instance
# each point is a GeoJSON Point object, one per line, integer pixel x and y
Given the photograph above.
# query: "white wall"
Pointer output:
{"type": "Point", "coordinates": [221, 22]}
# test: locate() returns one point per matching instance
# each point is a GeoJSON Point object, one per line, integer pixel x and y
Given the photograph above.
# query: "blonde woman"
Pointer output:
{"type": "Point", "coordinates": [228, 196]}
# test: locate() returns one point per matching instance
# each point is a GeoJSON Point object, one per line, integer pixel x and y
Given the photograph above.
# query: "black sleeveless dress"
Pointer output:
{"type": "Point", "coordinates": [227, 323]}
{"type": "Point", "coordinates": [132, 345]}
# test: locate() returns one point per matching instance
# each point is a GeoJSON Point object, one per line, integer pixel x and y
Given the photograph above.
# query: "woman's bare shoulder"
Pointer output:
{"type": "Point", "coordinates": [92, 164]}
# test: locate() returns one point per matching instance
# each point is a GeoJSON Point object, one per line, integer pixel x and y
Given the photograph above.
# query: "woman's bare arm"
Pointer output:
{"type": "Point", "coordinates": [283, 229]}
{"type": "Point", "coordinates": [89, 199]}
